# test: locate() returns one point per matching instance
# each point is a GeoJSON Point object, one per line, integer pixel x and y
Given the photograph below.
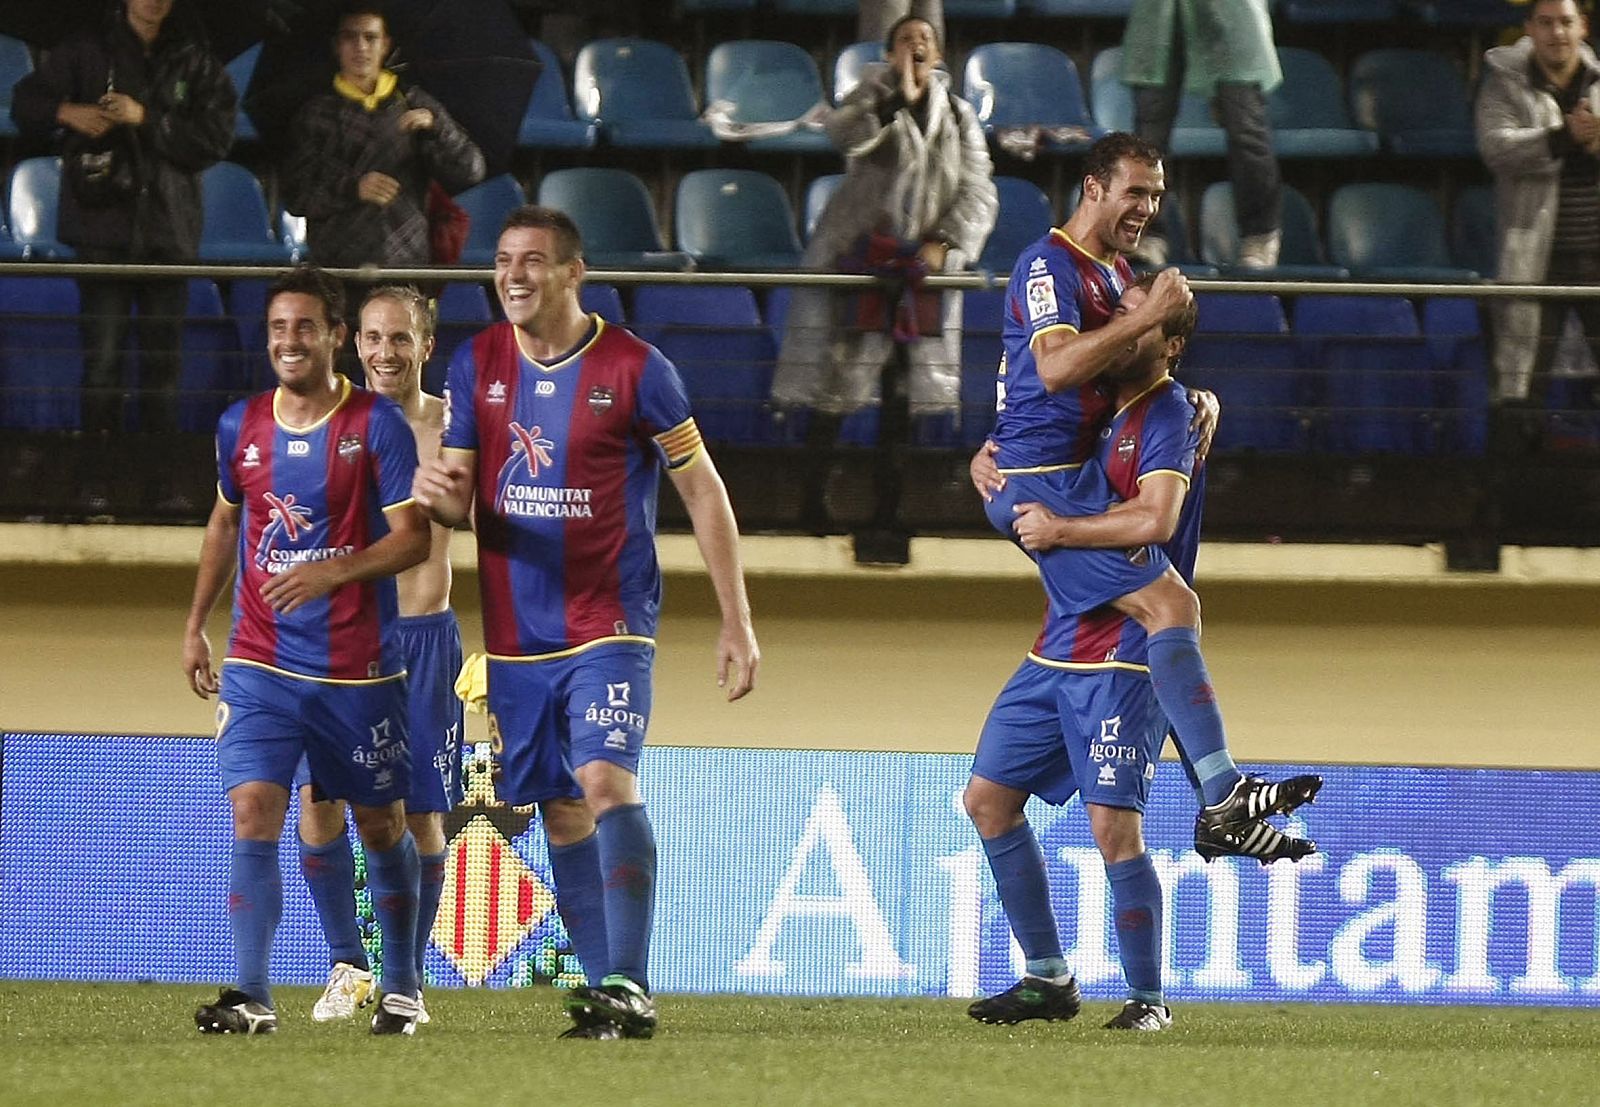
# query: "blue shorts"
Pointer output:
{"type": "Point", "coordinates": [354, 736]}
{"type": "Point", "coordinates": [1053, 732]}
{"type": "Point", "coordinates": [431, 645]}
{"type": "Point", "coordinates": [548, 718]}
{"type": "Point", "coordinates": [1076, 580]}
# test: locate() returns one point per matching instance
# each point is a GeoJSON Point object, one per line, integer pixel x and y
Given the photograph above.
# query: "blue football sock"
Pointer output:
{"type": "Point", "coordinates": [1136, 906]}
{"type": "Point", "coordinates": [580, 897]}
{"type": "Point", "coordinates": [1188, 771]}
{"type": "Point", "coordinates": [1183, 688]}
{"type": "Point", "coordinates": [255, 904]}
{"type": "Point", "coordinates": [628, 862]}
{"type": "Point", "coordinates": [330, 874]}
{"type": "Point", "coordinates": [1019, 874]}
{"type": "Point", "coordinates": [428, 903]}
{"type": "Point", "coordinates": [394, 877]}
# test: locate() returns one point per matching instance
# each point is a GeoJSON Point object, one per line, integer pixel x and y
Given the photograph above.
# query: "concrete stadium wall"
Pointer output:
{"type": "Point", "coordinates": [1360, 659]}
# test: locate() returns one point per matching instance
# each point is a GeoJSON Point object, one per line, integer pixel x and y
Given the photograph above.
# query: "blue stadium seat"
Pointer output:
{"type": "Point", "coordinates": [1390, 232]}
{"type": "Point", "coordinates": [41, 353]}
{"type": "Point", "coordinates": [817, 7]}
{"type": "Point", "coordinates": [1308, 113]}
{"type": "Point", "coordinates": [848, 65]}
{"type": "Point", "coordinates": [1469, 13]}
{"type": "Point", "coordinates": [614, 214]}
{"type": "Point", "coordinates": [768, 82]}
{"type": "Point", "coordinates": [463, 310]}
{"type": "Point", "coordinates": [981, 317]}
{"type": "Point", "coordinates": [240, 70]}
{"type": "Point", "coordinates": [214, 371]}
{"type": "Point", "coordinates": [1338, 11]}
{"type": "Point", "coordinates": [1455, 338]}
{"type": "Point", "coordinates": [1242, 351]}
{"type": "Point", "coordinates": [722, 349]}
{"type": "Point", "coordinates": [237, 226]}
{"type": "Point", "coordinates": [9, 249]}
{"type": "Point", "coordinates": [979, 9]}
{"type": "Point", "coordinates": [1024, 217]}
{"type": "Point", "coordinates": [604, 300]}
{"type": "Point", "coordinates": [487, 204]}
{"type": "Point", "coordinates": [548, 121]}
{"type": "Point", "coordinates": [1379, 386]}
{"type": "Point", "coordinates": [33, 198]}
{"type": "Point", "coordinates": [735, 219]}
{"type": "Point", "coordinates": [247, 307]}
{"type": "Point", "coordinates": [1026, 84]}
{"type": "Point", "coordinates": [15, 64]}
{"type": "Point", "coordinates": [818, 193]}
{"type": "Point", "coordinates": [638, 91]}
{"type": "Point", "coordinates": [1417, 101]}
{"type": "Point", "coordinates": [1300, 257]}
{"type": "Point", "coordinates": [1194, 133]}
{"type": "Point", "coordinates": [1472, 230]}
{"type": "Point", "coordinates": [1081, 9]}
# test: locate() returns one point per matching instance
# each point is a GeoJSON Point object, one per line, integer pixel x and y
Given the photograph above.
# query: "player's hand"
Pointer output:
{"type": "Point", "coordinates": [307, 581]}
{"type": "Point", "coordinates": [1035, 526]}
{"type": "Point", "coordinates": [377, 188]}
{"type": "Point", "coordinates": [417, 119]}
{"type": "Point", "coordinates": [121, 108]}
{"type": "Point", "coordinates": [738, 658]}
{"type": "Point", "coordinates": [442, 490]}
{"type": "Point", "coordinates": [1207, 412]}
{"type": "Point", "coordinates": [89, 120]}
{"type": "Point", "coordinates": [1169, 295]}
{"type": "Point", "coordinates": [986, 475]}
{"type": "Point", "coordinates": [197, 665]}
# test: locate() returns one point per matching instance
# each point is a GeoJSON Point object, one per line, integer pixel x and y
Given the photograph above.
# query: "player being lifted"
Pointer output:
{"type": "Point", "coordinates": [314, 507]}
{"type": "Point", "coordinates": [557, 428]}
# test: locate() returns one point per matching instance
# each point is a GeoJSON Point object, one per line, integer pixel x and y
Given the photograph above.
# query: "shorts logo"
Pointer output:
{"type": "Point", "coordinates": [1041, 295]}
{"type": "Point", "coordinates": [383, 780]}
{"type": "Point", "coordinates": [223, 711]}
{"type": "Point", "coordinates": [380, 735]}
{"type": "Point", "coordinates": [1149, 770]}
{"type": "Point", "coordinates": [601, 398]}
{"type": "Point", "coordinates": [616, 740]}
{"type": "Point", "coordinates": [386, 749]}
{"type": "Point", "coordinates": [617, 694]}
{"type": "Point", "coordinates": [1110, 729]}
{"type": "Point", "coordinates": [1139, 555]}
{"type": "Point", "coordinates": [299, 447]}
{"type": "Point", "coordinates": [349, 447]}
{"type": "Point", "coordinates": [1108, 777]}
{"type": "Point", "coordinates": [252, 456]}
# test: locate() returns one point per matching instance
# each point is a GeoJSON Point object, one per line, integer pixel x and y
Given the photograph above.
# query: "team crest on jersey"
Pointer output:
{"type": "Point", "coordinates": [349, 447]}
{"type": "Point", "coordinates": [252, 457]}
{"type": "Point", "coordinates": [1125, 447]}
{"type": "Point", "coordinates": [1041, 295]}
{"type": "Point", "coordinates": [601, 398]}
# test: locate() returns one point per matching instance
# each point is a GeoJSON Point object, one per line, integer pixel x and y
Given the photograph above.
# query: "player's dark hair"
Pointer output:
{"type": "Point", "coordinates": [1102, 159]}
{"type": "Point", "coordinates": [894, 29]}
{"type": "Point", "coordinates": [311, 281]}
{"type": "Point", "coordinates": [569, 242]}
{"type": "Point", "coordinates": [352, 8]}
{"type": "Point", "coordinates": [1585, 7]}
{"type": "Point", "coordinates": [407, 297]}
{"type": "Point", "coordinates": [1180, 325]}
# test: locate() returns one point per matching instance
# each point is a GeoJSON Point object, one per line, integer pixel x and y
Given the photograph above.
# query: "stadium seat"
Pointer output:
{"type": "Point", "coordinates": [735, 219]}
{"type": "Point", "coordinates": [240, 70]}
{"type": "Point", "coordinates": [1300, 257]}
{"type": "Point", "coordinates": [487, 204]}
{"type": "Point", "coordinates": [214, 368]}
{"type": "Point", "coordinates": [1308, 113]}
{"type": "Point", "coordinates": [1472, 230]}
{"type": "Point", "coordinates": [767, 82]}
{"type": "Point", "coordinates": [1242, 351]}
{"type": "Point", "coordinates": [1080, 9]}
{"type": "Point", "coordinates": [15, 64]}
{"type": "Point", "coordinates": [848, 65]}
{"type": "Point", "coordinates": [1469, 13]}
{"type": "Point", "coordinates": [236, 225]}
{"type": "Point", "coordinates": [1454, 333]}
{"type": "Point", "coordinates": [1024, 217]}
{"type": "Point", "coordinates": [33, 197]}
{"type": "Point", "coordinates": [979, 9]}
{"type": "Point", "coordinates": [723, 351]}
{"type": "Point", "coordinates": [548, 121]}
{"type": "Point", "coordinates": [614, 214]}
{"type": "Point", "coordinates": [1026, 84]}
{"type": "Point", "coordinates": [817, 7]}
{"type": "Point", "coordinates": [1194, 133]}
{"type": "Point", "coordinates": [638, 91]}
{"type": "Point", "coordinates": [1338, 11]}
{"type": "Point", "coordinates": [1390, 232]}
{"type": "Point", "coordinates": [9, 249]}
{"type": "Point", "coordinates": [818, 193]}
{"type": "Point", "coordinates": [604, 300]}
{"type": "Point", "coordinates": [1417, 101]}
{"type": "Point", "coordinates": [41, 353]}
{"type": "Point", "coordinates": [981, 317]}
{"type": "Point", "coordinates": [1379, 386]}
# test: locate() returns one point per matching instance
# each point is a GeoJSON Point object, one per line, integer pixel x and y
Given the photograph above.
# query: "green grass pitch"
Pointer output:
{"type": "Point", "coordinates": [68, 1043]}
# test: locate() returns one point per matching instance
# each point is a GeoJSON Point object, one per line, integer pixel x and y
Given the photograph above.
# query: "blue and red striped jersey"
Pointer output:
{"type": "Point", "coordinates": [569, 459]}
{"type": "Point", "coordinates": [308, 494]}
{"type": "Point", "coordinates": [1055, 284]}
{"type": "Point", "coordinates": [1150, 434]}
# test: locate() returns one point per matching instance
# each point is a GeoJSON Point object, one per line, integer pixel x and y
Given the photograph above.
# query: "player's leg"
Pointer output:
{"type": "Point", "coordinates": [1136, 906]}
{"type": "Point", "coordinates": [329, 868]}
{"type": "Point", "coordinates": [393, 875]}
{"type": "Point", "coordinates": [1020, 753]}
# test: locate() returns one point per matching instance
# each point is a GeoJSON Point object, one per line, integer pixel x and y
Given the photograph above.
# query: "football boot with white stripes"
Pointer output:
{"type": "Point", "coordinates": [1254, 798]}
{"type": "Point", "coordinates": [396, 1014]}
{"type": "Point", "coordinates": [1254, 839]}
{"type": "Point", "coordinates": [236, 1013]}
{"type": "Point", "coordinates": [1138, 1015]}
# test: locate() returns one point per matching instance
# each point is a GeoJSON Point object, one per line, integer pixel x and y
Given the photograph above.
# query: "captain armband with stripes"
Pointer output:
{"type": "Point", "coordinates": [681, 444]}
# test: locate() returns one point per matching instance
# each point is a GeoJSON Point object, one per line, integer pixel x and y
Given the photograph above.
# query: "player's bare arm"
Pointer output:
{"type": "Point", "coordinates": [1150, 517]}
{"type": "Point", "coordinates": [717, 534]}
{"type": "Point", "coordinates": [1070, 359]}
{"type": "Point", "coordinates": [444, 485]}
{"type": "Point", "coordinates": [217, 554]}
{"type": "Point", "coordinates": [405, 545]}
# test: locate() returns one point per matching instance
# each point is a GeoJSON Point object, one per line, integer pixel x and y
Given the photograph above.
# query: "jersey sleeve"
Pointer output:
{"type": "Point", "coordinates": [1043, 294]}
{"type": "Point", "coordinates": [227, 445]}
{"type": "Point", "coordinates": [1169, 443]}
{"type": "Point", "coordinates": [663, 411]}
{"type": "Point", "coordinates": [460, 411]}
{"type": "Point", "coordinates": [394, 453]}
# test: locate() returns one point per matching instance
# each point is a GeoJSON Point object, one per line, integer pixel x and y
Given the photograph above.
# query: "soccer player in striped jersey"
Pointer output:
{"type": "Point", "coordinates": [394, 338]}
{"type": "Point", "coordinates": [1080, 714]}
{"type": "Point", "coordinates": [314, 508]}
{"type": "Point", "coordinates": [557, 429]}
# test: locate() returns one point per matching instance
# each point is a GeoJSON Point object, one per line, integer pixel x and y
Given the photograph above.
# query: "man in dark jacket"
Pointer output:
{"type": "Point", "coordinates": [151, 109]}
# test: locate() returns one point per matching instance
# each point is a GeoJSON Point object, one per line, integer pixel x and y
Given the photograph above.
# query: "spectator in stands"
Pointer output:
{"type": "Point", "coordinates": [918, 177]}
{"type": "Point", "coordinates": [141, 109]}
{"type": "Point", "coordinates": [1222, 50]}
{"type": "Point", "coordinates": [362, 155]}
{"type": "Point", "coordinates": [874, 18]}
{"type": "Point", "coordinates": [1539, 132]}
